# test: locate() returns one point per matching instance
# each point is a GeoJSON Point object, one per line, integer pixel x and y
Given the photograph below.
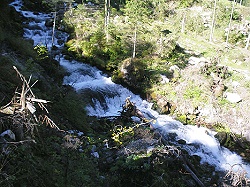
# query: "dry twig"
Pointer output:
{"type": "Point", "coordinates": [237, 177]}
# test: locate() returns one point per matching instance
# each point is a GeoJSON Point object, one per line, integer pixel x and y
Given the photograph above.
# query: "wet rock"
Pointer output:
{"type": "Point", "coordinates": [164, 106]}
{"type": "Point", "coordinates": [8, 133]}
{"type": "Point", "coordinates": [49, 22]}
{"type": "Point", "coordinates": [110, 160]}
{"type": "Point", "coordinates": [172, 136]}
{"type": "Point", "coordinates": [222, 137]}
{"type": "Point", "coordinates": [93, 148]}
{"type": "Point", "coordinates": [95, 154]}
{"type": "Point", "coordinates": [183, 142]}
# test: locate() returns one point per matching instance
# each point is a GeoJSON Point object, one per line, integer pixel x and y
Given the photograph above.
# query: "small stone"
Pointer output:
{"type": "Point", "coordinates": [80, 150]}
{"type": "Point", "coordinates": [164, 79]}
{"type": "Point", "coordinates": [183, 142]}
{"type": "Point", "coordinates": [195, 60]}
{"type": "Point", "coordinates": [80, 133]}
{"type": "Point", "coordinates": [95, 154]}
{"type": "Point", "coordinates": [242, 154]}
{"type": "Point", "coordinates": [233, 97]}
{"type": "Point", "coordinates": [9, 133]}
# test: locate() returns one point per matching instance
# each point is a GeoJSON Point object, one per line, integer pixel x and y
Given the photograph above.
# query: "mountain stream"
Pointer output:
{"type": "Point", "coordinates": [106, 99]}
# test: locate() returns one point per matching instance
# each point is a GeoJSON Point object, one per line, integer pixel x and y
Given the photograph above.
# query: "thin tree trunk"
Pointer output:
{"type": "Point", "coordinates": [229, 26]}
{"type": "Point", "coordinates": [134, 46]}
{"type": "Point", "coordinates": [107, 17]}
{"type": "Point", "coordinates": [53, 31]}
{"type": "Point", "coordinates": [213, 22]}
{"type": "Point", "coordinates": [240, 2]}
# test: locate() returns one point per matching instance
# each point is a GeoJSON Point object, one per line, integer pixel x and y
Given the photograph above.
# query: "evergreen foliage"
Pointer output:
{"type": "Point", "coordinates": [154, 28]}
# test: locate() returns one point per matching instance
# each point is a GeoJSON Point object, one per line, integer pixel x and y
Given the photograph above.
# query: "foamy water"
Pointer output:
{"type": "Point", "coordinates": [199, 141]}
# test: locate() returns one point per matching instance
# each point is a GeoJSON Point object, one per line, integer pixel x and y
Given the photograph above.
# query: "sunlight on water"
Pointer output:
{"type": "Point", "coordinates": [199, 141]}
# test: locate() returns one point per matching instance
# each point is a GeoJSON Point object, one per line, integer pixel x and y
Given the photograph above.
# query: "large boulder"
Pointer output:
{"type": "Point", "coordinates": [196, 60]}
{"type": "Point", "coordinates": [133, 72]}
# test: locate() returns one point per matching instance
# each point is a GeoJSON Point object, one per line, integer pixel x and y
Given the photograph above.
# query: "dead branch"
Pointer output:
{"type": "Point", "coordinates": [236, 177]}
{"type": "Point", "coordinates": [27, 89]}
{"type": "Point", "coordinates": [22, 108]}
{"type": "Point", "coordinates": [49, 122]}
{"type": "Point", "coordinates": [19, 142]}
{"type": "Point", "coordinates": [197, 180]}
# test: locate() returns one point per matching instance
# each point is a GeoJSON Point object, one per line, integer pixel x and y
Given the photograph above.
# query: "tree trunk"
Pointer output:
{"type": "Point", "coordinates": [230, 21]}
{"type": "Point", "coordinates": [134, 46]}
{"type": "Point", "coordinates": [240, 2]}
{"type": "Point", "coordinates": [213, 21]}
{"type": "Point", "coordinates": [53, 31]}
{"type": "Point", "coordinates": [107, 17]}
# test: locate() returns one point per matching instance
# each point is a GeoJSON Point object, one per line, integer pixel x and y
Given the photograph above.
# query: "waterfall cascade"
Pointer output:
{"type": "Point", "coordinates": [106, 99]}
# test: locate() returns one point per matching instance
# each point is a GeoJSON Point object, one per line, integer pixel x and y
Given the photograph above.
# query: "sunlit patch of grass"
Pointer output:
{"type": "Point", "coordinates": [221, 128]}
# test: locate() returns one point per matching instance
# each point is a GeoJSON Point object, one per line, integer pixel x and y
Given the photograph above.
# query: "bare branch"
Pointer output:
{"type": "Point", "coordinates": [19, 142]}
{"type": "Point", "coordinates": [48, 121]}
{"type": "Point", "coordinates": [37, 100]}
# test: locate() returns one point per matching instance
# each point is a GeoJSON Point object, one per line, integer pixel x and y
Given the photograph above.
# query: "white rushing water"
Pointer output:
{"type": "Point", "coordinates": [36, 29]}
{"type": "Point", "coordinates": [107, 99]}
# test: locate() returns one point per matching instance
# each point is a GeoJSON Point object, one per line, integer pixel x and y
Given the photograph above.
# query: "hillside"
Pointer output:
{"type": "Point", "coordinates": [177, 57]}
{"type": "Point", "coordinates": [162, 51]}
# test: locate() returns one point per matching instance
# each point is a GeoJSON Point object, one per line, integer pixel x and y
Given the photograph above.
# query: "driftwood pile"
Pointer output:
{"type": "Point", "coordinates": [21, 111]}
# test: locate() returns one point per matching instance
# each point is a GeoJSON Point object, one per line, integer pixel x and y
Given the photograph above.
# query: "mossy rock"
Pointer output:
{"type": "Point", "coordinates": [221, 137]}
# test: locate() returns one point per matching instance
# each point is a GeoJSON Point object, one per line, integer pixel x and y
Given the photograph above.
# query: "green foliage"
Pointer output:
{"type": "Point", "coordinates": [116, 53]}
{"type": "Point", "coordinates": [236, 15]}
{"type": "Point", "coordinates": [96, 43]}
{"type": "Point", "coordinates": [2, 35]}
{"type": "Point", "coordinates": [22, 46]}
{"type": "Point", "coordinates": [221, 128]}
{"type": "Point", "coordinates": [48, 163]}
{"type": "Point", "coordinates": [193, 92]}
{"type": "Point", "coordinates": [8, 82]}
{"type": "Point", "coordinates": [182, 118]}
{"type": "Point", "coordinates": [188, 3]}
{"type": "Point", "coordinates": [121, 134]}
{"type": "Point", "coordinates": [236, 37]}
{"type": "Point", "coordinates": [138, 10]}
{"type": "Point", "coordinates": [42, 51]}
{"type": "Point", "coordinates": [195, 24]}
